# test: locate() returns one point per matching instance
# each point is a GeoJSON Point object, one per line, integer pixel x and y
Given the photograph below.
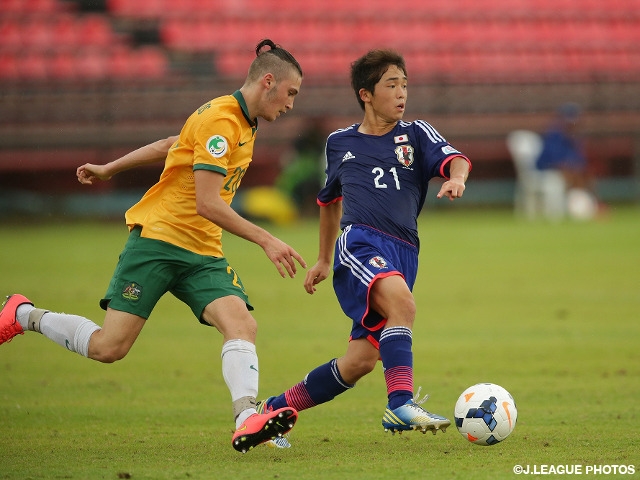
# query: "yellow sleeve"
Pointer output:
{"type": "Point", "coordinates": [215, 139]}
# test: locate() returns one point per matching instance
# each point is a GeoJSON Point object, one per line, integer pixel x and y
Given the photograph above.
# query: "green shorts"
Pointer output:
{"type": "Point", "coordinates": [148, 268]}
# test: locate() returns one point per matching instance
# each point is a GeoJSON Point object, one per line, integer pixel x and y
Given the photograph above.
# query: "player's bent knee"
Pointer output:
{"type": "Point", "coordinates": [108, 354]}
{"type": "Point", "coordinates": [367, 366]}
{"type": "Point", "coordinates": [354, 369]}
{"type": "Point", "coordinates": [408, 306]}
{"type": "Point", "coordinates": [403, 313]}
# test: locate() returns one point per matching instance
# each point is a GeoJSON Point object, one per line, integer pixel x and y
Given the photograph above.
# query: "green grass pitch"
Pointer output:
{"type": "Point", "coordinates": [550, 312]}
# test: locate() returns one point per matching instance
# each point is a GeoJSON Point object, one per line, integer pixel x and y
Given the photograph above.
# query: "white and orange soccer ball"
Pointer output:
{"type": "Point", "coordinates": [485, 414]}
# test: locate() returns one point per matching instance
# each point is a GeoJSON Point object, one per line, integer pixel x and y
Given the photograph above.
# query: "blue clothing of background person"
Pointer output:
{"type": "Point", "coordinates": [562, 149]}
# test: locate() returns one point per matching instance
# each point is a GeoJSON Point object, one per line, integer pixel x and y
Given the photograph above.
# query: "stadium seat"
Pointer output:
{"type": "Point", "coordinates": [119, 64]}
{"type": "Point", "coordinates": [144, 64]}
{"type": "Point", "coordinates": [10, 35]}
{"type": "Point", "coordinates": [28, 6]}
{"type": "Point", "coordinates": [150, 63]}
{"type": "Point", "coordinates": [152, 9]}
{"type": "Point", "coordinates": [94, 30]}
{"type": "Point", "coordinates": [37, 35]}
{"type": "Point", "coordinates": [91, 64]}
{"type": "Point", "coordinates": [171, 34]}
{"type": "Point", "coordinates": [62, 65]}
{"type": "Point", "coordinates": [33, 66]}
{"type": "Point", "coordinates": [41, 6]}
{"type": "Point", "coordinates": [12, 6]}
{"type": "Point", "coordinates": [625, 34]}
{"type": "Point", "coordinates": [63, 29]}
{"type": "Point", "coordinates": [234, 64]}
{"type": "Point", "coordinates": [10, 70]}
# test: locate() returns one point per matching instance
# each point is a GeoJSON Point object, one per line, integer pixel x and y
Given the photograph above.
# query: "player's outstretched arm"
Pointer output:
{"type": "Point", "coordinates": [458, 174]}
{"type": "Point", "coordinates": [210, 205]}
{"type": "Point", "coordinates": [329, 226]}
{"type": "Point", "coordinates": [88, 173]}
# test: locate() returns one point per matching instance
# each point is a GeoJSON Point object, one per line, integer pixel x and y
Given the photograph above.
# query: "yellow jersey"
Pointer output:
{"type": "Point", "coordinates": [218, 137]}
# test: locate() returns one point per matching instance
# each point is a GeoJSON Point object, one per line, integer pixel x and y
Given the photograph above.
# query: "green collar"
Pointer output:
{"type": "Point", "coordinates": [245, 111]}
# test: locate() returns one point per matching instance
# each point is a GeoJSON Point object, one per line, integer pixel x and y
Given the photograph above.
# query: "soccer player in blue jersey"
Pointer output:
{"type": "Point", "coordinates": [377, 177]}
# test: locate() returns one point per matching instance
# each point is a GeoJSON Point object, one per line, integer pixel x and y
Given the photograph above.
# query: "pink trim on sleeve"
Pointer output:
{"type": "Point", "coordinates": [322, 204]}
{"type": "Point", "coordinates": [449, 159]}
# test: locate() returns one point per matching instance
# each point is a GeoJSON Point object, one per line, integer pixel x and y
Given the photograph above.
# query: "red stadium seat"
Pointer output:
{"type": "Point", "coordinates": [119, 64]}
{"type": "Point", "coordinates": [171, 34]}
{"type": "Point", "coordinates": [94, 30]}
{"type": "Point", "coordinates": [12, 6]}
{"type": "Point", "coordinates": [28, 6]}
{"type": "Point", "coordinates": [37, 35]}
{"type": "Point", "coordinates": [10, 70]}
{"type": "Point", "coordinates": [40, 6]}
{"type": "Point", "coordinates": [201, 35]}
{"type": "Point", "coordinates": [92, 64]}
{"type": "Point", "coordinates": [65, 32]}
{"type": "Point", "coordinates": [10, 35]}
{"type": "Point", "coordinates": [142, 64]}
{"type": "Point", "coordinates": [235, 64]}
{"type": "Point", "coordinates": [137, 8]}
{"type": "Point", "coordinates": [150, 63]}
{"type": "Point", "coordinates": [33, 66]}
{"type": "Point", "coordinates": [62, 65]}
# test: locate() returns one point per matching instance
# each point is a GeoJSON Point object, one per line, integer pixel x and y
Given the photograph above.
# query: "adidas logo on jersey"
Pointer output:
{"type": "Point", "coordinates": [348, 156]}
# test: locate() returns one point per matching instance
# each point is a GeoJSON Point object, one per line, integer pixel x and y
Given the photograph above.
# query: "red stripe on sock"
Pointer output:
{"type": "Point", "coordinates": [298, 397]}
{"type": "Point", "coordinates": [399, 378]}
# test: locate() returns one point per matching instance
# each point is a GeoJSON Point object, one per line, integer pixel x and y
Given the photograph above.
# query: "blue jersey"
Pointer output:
{"type": "Point", "coordinates": [382, 180]}
{"type": "Point", "coordinates": [561, 151]}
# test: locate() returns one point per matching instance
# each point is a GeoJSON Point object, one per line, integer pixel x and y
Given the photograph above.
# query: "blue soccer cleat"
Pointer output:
{"type": "Point", "coordinates": [411, 416]}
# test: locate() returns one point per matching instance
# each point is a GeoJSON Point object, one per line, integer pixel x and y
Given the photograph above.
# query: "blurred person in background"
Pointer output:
{"type": "Point", "coordinates": [377, 175]}
{"type": "Point", "coordinates": [175, 244]}
{"type": "Point", "coordinates": [563, 150]}
{"type": "Point", "coordinates": [302, 167]}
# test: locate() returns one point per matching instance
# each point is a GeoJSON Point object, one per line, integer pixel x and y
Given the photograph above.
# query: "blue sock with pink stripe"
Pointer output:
{"type": "Point", "coordinates": [320, 385]}
{"type": "Point", "coordinates": [397, 362]}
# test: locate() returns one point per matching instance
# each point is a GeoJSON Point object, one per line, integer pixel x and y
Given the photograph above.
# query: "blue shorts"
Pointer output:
{"type": "Point", "coordinates": [362, 256]}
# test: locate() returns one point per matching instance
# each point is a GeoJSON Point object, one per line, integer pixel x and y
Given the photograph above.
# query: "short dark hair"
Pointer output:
{"type": "Point", "coordinates": [368, 70]}
{"type": "Point", "coordinates": [275, 60]}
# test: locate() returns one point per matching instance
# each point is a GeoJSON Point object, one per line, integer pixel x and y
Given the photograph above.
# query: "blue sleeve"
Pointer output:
{"type": "Point", "coordinates": [435, 150]}
{"type": "Point", "coordinates": [332, 189]}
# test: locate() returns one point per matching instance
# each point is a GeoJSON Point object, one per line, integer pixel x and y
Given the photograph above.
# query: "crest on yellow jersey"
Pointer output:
{"type": "Point", "coordinates": [217, 146]}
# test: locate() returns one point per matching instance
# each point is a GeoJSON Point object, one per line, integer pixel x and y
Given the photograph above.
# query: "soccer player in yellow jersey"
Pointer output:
{"type": "Point", "coordinates": [175, 243]}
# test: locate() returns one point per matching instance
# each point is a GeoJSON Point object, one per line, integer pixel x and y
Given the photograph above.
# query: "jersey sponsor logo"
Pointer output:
{"type": "Point", "coordinates": [132, 291]}
{"type": "Point", "coordinates": [448, 149]}
{"type": "Point", "coordinates": [378, 262]}
{"type": "Point", "coordinates": [401, 139]}
{"type": "Point", "coordinates": [404, 153]}
{"type": "Point", "coordinates": [217, 146]}
{"type": "Point", "coordinates": [348, 156]}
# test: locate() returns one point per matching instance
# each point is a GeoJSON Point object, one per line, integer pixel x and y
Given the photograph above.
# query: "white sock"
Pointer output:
{"type": "Point", "coordinates": [22, 315]}
{"type": "Point", "coordinates": [240, 372]}
{"type": "Point", "coordinates": [70, 331]}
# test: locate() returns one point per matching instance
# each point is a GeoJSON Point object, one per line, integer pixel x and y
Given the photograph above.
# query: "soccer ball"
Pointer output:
{"type": "Point", "coordinates": [581, 205]}
{"type": "Point", "coordinates": [485, 414]}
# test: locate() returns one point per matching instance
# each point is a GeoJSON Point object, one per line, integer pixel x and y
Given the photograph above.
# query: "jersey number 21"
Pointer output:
{"type": "Point", "coordinates": [379, 173]}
